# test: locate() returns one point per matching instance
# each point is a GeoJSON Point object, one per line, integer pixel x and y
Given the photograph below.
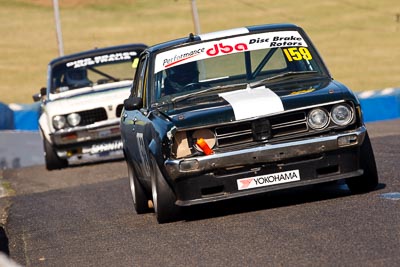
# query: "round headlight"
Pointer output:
{"type": "Point", "coordinates": [318, 118]}
{"type": "Point", "coordinates": [342, 114]}
{"type": "Point", "coordinates": [59, 122]}
{"type": "Point", "coordinates": [74, 119]}
{"type": "Point", "coordinates": [207, 135]}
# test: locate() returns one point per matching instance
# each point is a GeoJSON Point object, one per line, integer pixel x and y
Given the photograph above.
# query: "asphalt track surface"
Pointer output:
{"type": "Point", "coordinates": [83, 216]}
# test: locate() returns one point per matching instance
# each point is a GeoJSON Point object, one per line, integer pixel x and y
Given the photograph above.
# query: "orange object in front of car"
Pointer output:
{"type": "Point", "coordinates": [204, 146]}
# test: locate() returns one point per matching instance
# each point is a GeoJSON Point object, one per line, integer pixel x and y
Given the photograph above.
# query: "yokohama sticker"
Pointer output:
{"type": "Point", "coordinates": [269, 179]}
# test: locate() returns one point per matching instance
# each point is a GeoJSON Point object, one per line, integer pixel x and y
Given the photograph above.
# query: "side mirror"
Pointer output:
{"type": "Point", "coordinates": [43, 91]}
{"type": "Point", "coordinates": [41, 95]}
{"type": "Point", "coordinates": [133, 103]}
{"type": "Point", "coordinates": [36, 97]}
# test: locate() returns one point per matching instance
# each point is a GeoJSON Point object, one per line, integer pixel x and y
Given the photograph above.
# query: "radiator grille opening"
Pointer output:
{"type": "Point", "coordinates": [212, 190]}
{"type": "Point", "coordinates": [328, 170]}
{"type": "Point", "coordinates": [261, 130]}
{"type": "Point", "coordinates": [92, 116]}
{"type": "Point", "coordinates": [119, 110]}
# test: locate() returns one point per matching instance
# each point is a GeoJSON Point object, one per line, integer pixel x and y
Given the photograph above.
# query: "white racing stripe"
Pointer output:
{"type": "Point", "coordinates": [254, 102]}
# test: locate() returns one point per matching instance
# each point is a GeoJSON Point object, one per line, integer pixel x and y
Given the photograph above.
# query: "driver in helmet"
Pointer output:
{"type": "Point", "coordinates": [76, 78]}
{"type": "Point", "coordinates": [180, 77]}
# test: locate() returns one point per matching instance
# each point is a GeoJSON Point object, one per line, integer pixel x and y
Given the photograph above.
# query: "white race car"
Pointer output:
{"type": "Point", "coordinates": [82, 103]}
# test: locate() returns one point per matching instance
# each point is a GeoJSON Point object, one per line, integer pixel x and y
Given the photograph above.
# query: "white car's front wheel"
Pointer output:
{"type": "Point", "coordinates": [53, 162]}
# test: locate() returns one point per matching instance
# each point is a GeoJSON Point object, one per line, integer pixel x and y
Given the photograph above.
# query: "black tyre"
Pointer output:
{"type": "Point", "coordinates": [140, 200]}
{"type": "Point", "coordinates": [163, 198]}
{"type": "Point", "coordinates": [53, 162]}
{"type": "Point", "coordinates": [369, 180]}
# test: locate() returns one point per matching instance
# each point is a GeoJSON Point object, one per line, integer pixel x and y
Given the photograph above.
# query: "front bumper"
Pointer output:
{"type": "Point", "coordinates": [99, 139]}
{"type": "Point", "coordinates": [214, 177]}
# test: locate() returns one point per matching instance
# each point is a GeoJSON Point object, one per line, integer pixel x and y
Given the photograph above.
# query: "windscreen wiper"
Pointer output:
{"type": "Point", "coordinates": [282, 75]}
{"type": "Point", "coordinates": [207, 90]}
{"type": "Point", "coordinates": [103, 74]}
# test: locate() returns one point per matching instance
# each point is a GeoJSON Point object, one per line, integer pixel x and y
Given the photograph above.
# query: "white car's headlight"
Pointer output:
{"type": "Point", "coordinates": [59, 122]}
{"type": "Point", "coordinates": [74, 119]}
{"type": "Point", "coordinates": [342, 114]}
{"type": "Point", "coordinates": [318, 118]}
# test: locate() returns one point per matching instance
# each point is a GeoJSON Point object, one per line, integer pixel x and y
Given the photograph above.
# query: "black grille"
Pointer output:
{"type": "Point", "coordinates": [92, 116]}
{"type": "Point", "coordinates": [289, 124]}
{"type": "Point", "coordinates": [234, 134]}
{"type": "Point", "coordinates": [261, 130]}
{"type": "Point", "coordinates": [119, 110]}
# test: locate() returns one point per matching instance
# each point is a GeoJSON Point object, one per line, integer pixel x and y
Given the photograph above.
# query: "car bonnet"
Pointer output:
{"type": "Point", "coordinates": [255, 103]}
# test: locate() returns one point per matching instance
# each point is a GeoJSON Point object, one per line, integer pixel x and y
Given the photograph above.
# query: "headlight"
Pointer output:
{"type": "Point", "coordinates": [342, 114]}
{"type": "Point", "coordinates": [59, 122]}
{"type": "Point", "coordinates": [180, 147]}
{"type": "Point", "coordinates": [204, 140]}
{"type": "Point", "coordinates": [318, 118]}
{"type": "Point", "coordinates": [74, 119]}
{"type": "Point", "coordinates": [201, 140]}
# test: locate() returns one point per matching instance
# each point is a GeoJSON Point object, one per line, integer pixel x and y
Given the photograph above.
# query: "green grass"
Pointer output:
{"type": "Point", "coordinates": [358, 41]}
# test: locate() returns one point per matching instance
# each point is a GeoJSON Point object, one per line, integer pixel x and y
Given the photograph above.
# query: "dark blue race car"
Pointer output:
{"type": "Point", "coordinates": [235, 113]}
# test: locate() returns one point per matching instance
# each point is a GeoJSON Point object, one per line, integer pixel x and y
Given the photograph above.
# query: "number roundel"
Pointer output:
{"type": "Point", "coordinates": [297, 53]}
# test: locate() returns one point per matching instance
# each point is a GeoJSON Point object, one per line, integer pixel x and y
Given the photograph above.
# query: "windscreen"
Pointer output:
{"type": "Point", "coordinates": [91, 71]}
{"type": "Point", "coordinates": [245, 59]}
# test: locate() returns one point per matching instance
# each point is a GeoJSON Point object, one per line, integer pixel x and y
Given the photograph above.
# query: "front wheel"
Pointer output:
{"type": "Point", "coordinates": [163, 198]}
{"type": "Point", "coordinates": [53, 161]}
{"type": "Point", "coordinates": [369, 180]}
{"type": "Point", "coordinates": [140, 201]}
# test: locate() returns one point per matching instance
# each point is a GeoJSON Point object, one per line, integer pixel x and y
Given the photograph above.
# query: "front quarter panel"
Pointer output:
{"type": "Point", "coordinates": [143, 135]}
{"type": "Point", "coordinates": [44, 125]}
{"type": "Point", "coordinates": [135, 140]}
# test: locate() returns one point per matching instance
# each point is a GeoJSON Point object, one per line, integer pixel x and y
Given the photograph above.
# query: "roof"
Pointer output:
{"type": "Point", "coordinates": [219, 34]}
